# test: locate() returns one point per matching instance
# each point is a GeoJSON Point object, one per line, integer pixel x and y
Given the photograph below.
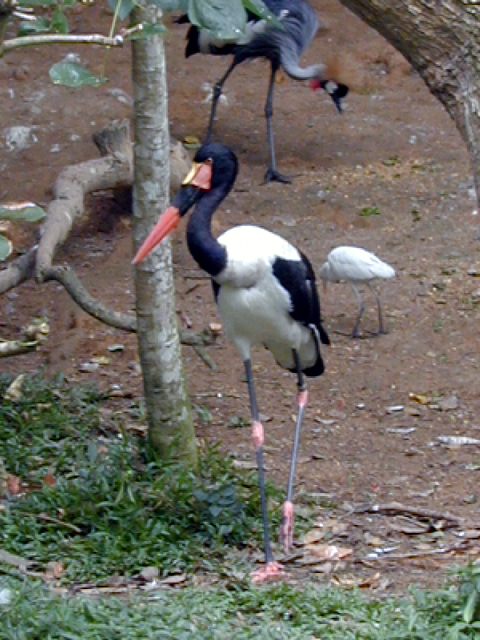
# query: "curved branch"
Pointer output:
{"type": "Point", "coordinates": [73, 183]}
{"type": "Point", "coordinates": [68, 278]}
{"type": "Point", "coordinates": [18, 271]}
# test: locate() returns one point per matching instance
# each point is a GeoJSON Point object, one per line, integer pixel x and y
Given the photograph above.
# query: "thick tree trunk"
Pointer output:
{"type": "Point", "coordinates": [441, 40]}
{"type": "Point", "coordinates": [166, 395]}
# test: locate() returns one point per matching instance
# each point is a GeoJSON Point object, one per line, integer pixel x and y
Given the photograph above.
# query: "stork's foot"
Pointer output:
{"type": "Point", "coordinates": [271, 571]}
{"type": "Point", "coordinates": [286, 533]}
{"type": "Point", "coordinates": [272, 175]}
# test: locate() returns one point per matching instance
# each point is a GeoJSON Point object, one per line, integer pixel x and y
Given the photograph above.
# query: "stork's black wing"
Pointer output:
{"type": "Point", "coordinates": [298, 278]}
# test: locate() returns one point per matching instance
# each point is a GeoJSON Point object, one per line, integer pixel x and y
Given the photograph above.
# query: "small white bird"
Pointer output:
{"type": "Point", "coordinates": [356, 265]}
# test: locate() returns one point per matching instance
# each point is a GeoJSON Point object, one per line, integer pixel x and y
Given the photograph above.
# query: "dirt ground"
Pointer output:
{"type": "Point", "coordinates": [372, 428]}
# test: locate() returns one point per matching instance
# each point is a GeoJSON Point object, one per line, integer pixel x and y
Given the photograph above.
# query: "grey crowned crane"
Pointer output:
{"type": "Point", "coordinates": [356, 266]}
{"type": "Point", "coordinates": [266, 295]}
{"type": "Point", "coordinates": [283, 47]}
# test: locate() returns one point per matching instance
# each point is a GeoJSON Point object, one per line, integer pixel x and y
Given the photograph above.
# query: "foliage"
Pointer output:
{"type": "Point", "coordinates": [242, 612]}
{"type": "Point", "coordinates": [23, 212]}
{"type": "Point", "coordinates": [99, 502]}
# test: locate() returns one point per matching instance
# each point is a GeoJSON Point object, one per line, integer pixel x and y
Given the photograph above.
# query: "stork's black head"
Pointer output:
{"type": "Point", "coordinates": [224, 163]}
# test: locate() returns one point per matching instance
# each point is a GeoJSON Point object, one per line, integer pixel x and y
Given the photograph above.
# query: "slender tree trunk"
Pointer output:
{"type": "Point", "coordinates": [166, 395]}
{"type": "Point", "coordinates": [441, 40]}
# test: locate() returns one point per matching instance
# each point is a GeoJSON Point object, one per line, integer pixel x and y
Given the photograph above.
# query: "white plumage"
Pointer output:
{"type": "Point", "coordinates": [254, 306]}
{"type": "Point", "coordinates": [356, 265]}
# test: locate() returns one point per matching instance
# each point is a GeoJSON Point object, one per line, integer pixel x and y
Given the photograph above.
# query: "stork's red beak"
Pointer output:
{"type": "Point", "coordinates": [167, 223]}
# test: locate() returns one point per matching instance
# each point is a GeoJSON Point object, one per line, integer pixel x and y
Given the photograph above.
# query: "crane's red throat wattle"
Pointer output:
{"type": "Point", "coordinates": [167, 223]}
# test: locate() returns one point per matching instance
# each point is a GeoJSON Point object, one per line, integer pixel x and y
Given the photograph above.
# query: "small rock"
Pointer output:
{"type": "Point", "coordinates": [448, 404]}
{"type": "Point", "coordinates": [20, 138]}
{"type": "Point", "coordinates": [396, 408]}
{"type": "Point", "coordinates": [88, 367]}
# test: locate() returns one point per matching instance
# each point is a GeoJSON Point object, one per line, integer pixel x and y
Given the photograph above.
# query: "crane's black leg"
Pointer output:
{"type": "Point", "coordinates": [217, 92]}
{"type": "Point", "coordinates": [288, 513]}
{"type": "Point", "coordinates": [272, 175]}
{"type": "Point", "coordinates": [381, 327]}
{"type": "Point", "coordinates": [272, 569]}
{"type": "Point", "coordinates": [355, 333]}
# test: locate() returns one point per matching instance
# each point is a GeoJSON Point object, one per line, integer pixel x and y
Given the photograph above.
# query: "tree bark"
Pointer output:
{"type": "Point", "coordinates": [441, 40]}
{"type": "Point", "coordinates": [168, 404]}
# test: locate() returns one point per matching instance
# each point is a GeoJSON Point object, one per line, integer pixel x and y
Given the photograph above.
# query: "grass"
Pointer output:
{"type": "Point", "coordinates": [102, 505]}
{"type": "Point", "coordinates": [274, 613]}
{"type": "Point", "coordinates": [113, 508]}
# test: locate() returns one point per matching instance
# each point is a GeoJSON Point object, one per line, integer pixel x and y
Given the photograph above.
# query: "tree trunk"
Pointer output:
{"type": "Point", "coordinates": [168, 404]}
{"type": "Point", "coordinates": [441, 40]}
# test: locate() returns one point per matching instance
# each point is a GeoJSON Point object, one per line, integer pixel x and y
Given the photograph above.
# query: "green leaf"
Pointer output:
{"type": "Point", "coordinates": [60, 22]}
{"type": "Point", "coordinates": [22, 212]}
{"type": "Point", "coordinates": [223, 19]}
{"type": "Point", "coordinates": [470, 607]}
{"type": "Point", "coordinates": [261, 10]}
{"type": "Point", "coordinates": [71, 74]}
{"type": "Point", "coordinates": [34, 27]}
{"type": "Point", "coordinates": [148, 30]}
{"type": "Point", "coordinates": [38, 3]}
{"type": "Point", "coordinates": [124, 10]}
{"type": "Point", "coordinates": [366, 212]}
{"type": "Point", "coordinates": [172, 5]}
{"type": "Point", "coordinates": [5, 247]}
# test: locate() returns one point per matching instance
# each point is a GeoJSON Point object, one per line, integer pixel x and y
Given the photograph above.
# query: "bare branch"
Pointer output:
{"type": "Point", "coordinates": [74, 182]}
{"type": "Point", "coordinates": [33, 336]}
{"type": "Point", "coordinates": [68, 278]}
{"type": "Point", "coordinates": [30, 41]}
{"type": "Point", "coordinates": [18, 271]}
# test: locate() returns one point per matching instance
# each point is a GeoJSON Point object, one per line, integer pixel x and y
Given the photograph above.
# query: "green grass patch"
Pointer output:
{"type": "Point", "coordinates": [269, 613]}
{"type": "Point", "coordinates": [114, 507]}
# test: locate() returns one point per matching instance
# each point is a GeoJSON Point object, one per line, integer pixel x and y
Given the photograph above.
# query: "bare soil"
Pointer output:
{"type": "Point", "coordinates": [396, 155]}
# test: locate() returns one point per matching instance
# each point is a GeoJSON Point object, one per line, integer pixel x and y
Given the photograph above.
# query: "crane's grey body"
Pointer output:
{"type": "Point", "coordinates": [283, 47]}
{"type": "Point", "coordinates": [356, 266]}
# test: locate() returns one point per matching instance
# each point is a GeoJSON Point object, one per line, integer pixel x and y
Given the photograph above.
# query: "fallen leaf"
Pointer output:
{"type": "Point", "coordinates": [149, 573]}
{"type": "Point", "coordinates": [50, 480]}
{"type": "Point", "coordinates": [15, 390]}
{"type": "Point", "coordinates": [313, 536]}
{"type": "Point", "coordinates": [13, 485]}
{"type": "Point", "coordinates": [421, 398]}
{"type": "Point", "coordinates": [174, 580]}
{"type": "Point", "coordinates": [55, 570]}
{"type": "Point", "coordinates": [329, 551]}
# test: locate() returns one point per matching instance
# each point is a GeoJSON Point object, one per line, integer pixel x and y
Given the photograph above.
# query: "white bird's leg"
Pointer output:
{"type": "Point", "coordinates": [272, 569]}
{"type": "Point", "coordinates": [288, 509]}
{"type": "Point", "coordinates": [381, 328]}
{"type": "Point", "coordinates": [355, 333]}
{"type": "Point", "coordinates": [272, 175]}
{"type": "Point", "coordinates": [217, 92]}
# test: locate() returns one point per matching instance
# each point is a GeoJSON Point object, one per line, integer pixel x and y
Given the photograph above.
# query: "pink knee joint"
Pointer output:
{"type": "Point", "coordinates": [258, 434]}
{"type": "Point", "coordinates": [302, 398]}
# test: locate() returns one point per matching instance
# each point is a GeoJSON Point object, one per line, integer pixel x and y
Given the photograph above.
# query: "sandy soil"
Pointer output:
{"type": "Point", "coordinates": [395, 152]}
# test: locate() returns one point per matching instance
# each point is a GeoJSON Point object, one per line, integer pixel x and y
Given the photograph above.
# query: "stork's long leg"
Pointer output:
{"type": "Point", "coordinates": [288, 512]}
{"type": "Point", "coordinates": [381, 328]}
{"type": "Point", "coordinates": [362, 309]}
{"type": "Point", "coordinates": [272, 175]}
{"type": "Point", "coordinates": [271, 570]}
{"type": "Point", "coordinates": [217, 92]}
